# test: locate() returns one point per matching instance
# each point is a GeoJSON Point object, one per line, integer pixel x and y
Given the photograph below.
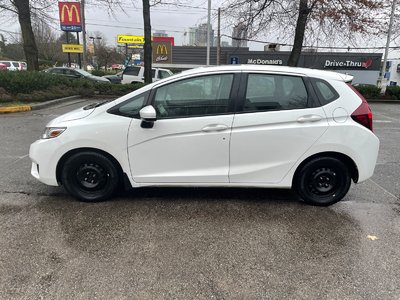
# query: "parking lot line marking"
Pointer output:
{"type": "Point", "coordinates": [382, 121]}
{"type": "Point", "coordinates": [383, 189]}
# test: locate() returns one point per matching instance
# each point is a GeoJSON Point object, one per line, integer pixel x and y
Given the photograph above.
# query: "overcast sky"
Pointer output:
{"type": "Point", "coordinates": [174, 20]}
{"type": "Point", "coordinates": [129, 20]}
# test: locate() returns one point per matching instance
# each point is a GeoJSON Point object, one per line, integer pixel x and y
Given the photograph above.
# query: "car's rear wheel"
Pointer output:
{"type": "Point", "coordinates": [90, 176]}
{"type": "Point", "coordinates": [323, 181]}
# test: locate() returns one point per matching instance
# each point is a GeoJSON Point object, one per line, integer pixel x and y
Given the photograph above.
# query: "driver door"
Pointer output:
{"type": "Point", "coordinates": [189, 141]}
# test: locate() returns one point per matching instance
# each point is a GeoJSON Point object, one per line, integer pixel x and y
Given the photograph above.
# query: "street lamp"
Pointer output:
{"type": "Point", "coordinates": [92, 38]}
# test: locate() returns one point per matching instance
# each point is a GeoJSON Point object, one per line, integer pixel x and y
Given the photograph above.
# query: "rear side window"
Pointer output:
{"type": "Point", "coordinates": [133, 71]}
{"type": "Point", "coordinates": [6, 63]}
{"type": "Point", "coordinates": [274, 92]}
{"type": "Point", "coordinates": [325, 92]}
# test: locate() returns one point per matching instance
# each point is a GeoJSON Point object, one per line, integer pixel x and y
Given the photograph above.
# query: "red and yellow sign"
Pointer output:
{"type": "Point", "coordinates": [70, 16]}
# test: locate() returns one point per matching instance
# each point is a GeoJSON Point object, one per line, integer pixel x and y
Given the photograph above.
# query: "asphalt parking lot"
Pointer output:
{"type": "Point", "coordinates": [175, 243]}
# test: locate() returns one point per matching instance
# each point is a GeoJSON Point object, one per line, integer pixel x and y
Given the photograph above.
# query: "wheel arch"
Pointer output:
{"type": "Point", "coordinates": [63, 159]}
{"type": "Point", "coordinates": [343, 157]}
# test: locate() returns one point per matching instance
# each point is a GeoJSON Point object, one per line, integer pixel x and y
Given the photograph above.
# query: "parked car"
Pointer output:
{"type": "Point", "coordinates": [230, 126]}
{"type": "Point", "coordinates": [11, 65]}
{"type": "Point", "coordinates": [116, 79]}
{"type": "Point", "coordinates": [3, 67]}
{"type": "Point", "coordinates": [22, 66]}
{"type": "Point", "coordinates": [75, 74]}
{"type": "Point", "coordinates": [117, 67]}
{"type": "Point", "coordinates": [132, 74]}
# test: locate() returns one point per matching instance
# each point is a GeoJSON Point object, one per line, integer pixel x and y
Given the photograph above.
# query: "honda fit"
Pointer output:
{"type": "Point", "coordinates": [230, 126]}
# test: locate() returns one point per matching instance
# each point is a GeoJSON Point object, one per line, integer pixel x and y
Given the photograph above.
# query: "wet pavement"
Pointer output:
{"type": "Point", "coordinates": [188, 243]}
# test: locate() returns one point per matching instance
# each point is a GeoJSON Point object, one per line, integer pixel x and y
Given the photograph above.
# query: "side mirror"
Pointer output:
{"type": "Point", "coordinates": [148, 113]}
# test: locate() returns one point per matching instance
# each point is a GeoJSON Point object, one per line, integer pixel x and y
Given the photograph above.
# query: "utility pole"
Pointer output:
{"type": "Point", "coordinates": [208, 32]}
{"type": "Point", "coordinates": [383, 70]}
{"type": "Point", "coordinates": [219, 38]}
{"type": "Point", "coordinates": [84, 57]}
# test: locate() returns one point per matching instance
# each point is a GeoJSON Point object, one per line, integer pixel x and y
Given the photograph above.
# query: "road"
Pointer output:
{"type": "Point", "coordinates": [187, 243]}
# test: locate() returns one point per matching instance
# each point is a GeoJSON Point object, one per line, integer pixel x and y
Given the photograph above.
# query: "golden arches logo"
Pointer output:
{"type": "Point", "coordinates": [70, 11]}
{"type": "Point", "coordinates": [162, 49]}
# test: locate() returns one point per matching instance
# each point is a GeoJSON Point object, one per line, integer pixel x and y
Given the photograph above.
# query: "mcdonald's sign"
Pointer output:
{"type": "Point", "coordinates": [162, 52]}
{"type": "Point", "coordinates": [70, 16]}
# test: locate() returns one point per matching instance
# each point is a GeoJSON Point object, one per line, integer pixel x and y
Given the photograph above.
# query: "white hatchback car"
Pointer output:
{"type": "Point", "coordinates": [231, 126]}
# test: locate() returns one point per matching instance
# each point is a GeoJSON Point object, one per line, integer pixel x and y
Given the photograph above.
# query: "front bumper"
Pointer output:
{"type": "Point", "coordinates": [44, 161]}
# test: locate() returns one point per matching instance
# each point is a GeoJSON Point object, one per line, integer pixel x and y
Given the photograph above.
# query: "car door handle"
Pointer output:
{"type": "Point", "coordinates": [215, 127]}
{"type": "Point", "coordinates": [309, 118]}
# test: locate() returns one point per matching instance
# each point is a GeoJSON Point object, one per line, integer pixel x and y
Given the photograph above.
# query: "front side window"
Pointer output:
{"type": "Point", "coordinates": [57, 71]}
{"type": "Point", "coordinates": [199, 96]}
{"type": "Point", "coordinates": [274, 92]}
{"type": "Point", "coordinates": [130, 108]}
{"type": "Point", "coordinates": [164, 74]}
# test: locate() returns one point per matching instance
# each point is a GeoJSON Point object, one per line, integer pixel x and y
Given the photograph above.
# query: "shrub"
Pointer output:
{"type": "Point", "coordinates": [116, 89]}
{"type": "Point", "coordinates": [41, 86]}
{"type": "Point", "coordinates": [393, 92]}
{"type": "Point", "coordinates": [369, 91]}
{"type": "Point", "coordinates": [45, 95]}
{"type": "Point", "coordinates": [98, 73]}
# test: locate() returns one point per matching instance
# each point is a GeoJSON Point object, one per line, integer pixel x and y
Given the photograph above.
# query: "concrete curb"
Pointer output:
{"type": "Point", "coordinates": [53, 102]}
{"type": "Point", "coordinates": [22, 108]}
{"type": "Point", "coordinates": [13, 109]}
{"type": "Point", "coordinates": [383, 101]}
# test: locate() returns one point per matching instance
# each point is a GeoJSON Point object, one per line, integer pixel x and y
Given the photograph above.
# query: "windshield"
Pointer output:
{"type": "Point", "coordinates": [84, 73]}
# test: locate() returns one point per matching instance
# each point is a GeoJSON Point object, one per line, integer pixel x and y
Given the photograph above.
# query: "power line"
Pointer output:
{"type": "Point", "coordinates": [318, 47]}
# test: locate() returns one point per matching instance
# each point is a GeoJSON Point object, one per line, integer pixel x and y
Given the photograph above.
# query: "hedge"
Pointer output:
{"type": "Point", "coordinates": [369, 91]}
{"type": "Point", "coordinates": [41, 86]}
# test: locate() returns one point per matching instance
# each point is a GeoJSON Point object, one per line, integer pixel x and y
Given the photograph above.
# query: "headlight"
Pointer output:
{"type": "Point", "coordinates": [52, 132]}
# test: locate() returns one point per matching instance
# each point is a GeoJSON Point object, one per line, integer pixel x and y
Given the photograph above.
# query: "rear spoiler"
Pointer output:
{"type": "Point", "coordinates": [347, 77]}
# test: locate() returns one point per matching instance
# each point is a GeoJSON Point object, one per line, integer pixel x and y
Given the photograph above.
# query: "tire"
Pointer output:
{"type": "Point", "coordinates": [323, 181]}
{"type": "Point", "coordinates": [90, 176]}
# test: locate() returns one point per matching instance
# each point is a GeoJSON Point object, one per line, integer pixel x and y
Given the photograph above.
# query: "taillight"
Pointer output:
{"type": "Point", "coordinates": [363, 113]}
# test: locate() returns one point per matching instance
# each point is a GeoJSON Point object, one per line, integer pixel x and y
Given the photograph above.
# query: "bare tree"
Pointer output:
{"type": "Point", "coordinates": [23, 9]}
{"type": "Point", "coordinates": [147, 42]}
{"type": "Point", "coordinates": [300, 20]}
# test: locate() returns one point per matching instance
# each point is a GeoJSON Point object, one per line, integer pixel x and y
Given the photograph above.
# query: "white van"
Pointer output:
{"type": "Point", "coordinates": [134, 74]}
{"type": "Point", "coordinates": [11, 65]}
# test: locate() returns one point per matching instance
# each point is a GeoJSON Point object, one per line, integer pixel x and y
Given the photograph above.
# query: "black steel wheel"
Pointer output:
{"type": "Point", "coordinates": [90, 176]}
{"type": "Point", "coordinates": [323, 181]}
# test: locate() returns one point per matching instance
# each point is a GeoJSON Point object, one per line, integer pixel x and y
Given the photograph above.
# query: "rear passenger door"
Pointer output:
{"type": "Point", "coordinates": [277, 120]}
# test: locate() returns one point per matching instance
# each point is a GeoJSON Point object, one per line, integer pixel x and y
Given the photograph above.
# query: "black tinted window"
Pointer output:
{"type": "Point", "coordinates": [164, 74]}
{"type": "Point", "coordinates": [326, 93]}
{"type": "Point", "coordinates": [131, 107]}
{"type": "Point", "coordinates": [199, 96]}
{"type": "Point", "coordinates": [134, 71]}
{"type": "Point", "coordinates": [274, 92]}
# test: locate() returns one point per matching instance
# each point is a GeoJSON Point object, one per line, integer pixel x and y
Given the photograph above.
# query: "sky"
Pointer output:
{"type": "Point", "coordinates": [129, 20]}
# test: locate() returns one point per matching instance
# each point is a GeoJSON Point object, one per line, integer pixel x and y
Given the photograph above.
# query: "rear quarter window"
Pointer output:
{"type": "Point", "coordinates": [325, 92]}
{"type": "Point", "coordinates": [134, 71]}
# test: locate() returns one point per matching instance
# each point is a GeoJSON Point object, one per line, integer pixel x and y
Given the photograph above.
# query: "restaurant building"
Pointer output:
{"type": "Point", "coordinates": [365, 67]}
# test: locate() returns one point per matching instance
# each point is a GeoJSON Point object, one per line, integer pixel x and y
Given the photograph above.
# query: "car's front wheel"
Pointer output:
{"type": "Point", "coordinates": [90, 176]}
{"type": "Point", "coordinates": [323, 181]}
